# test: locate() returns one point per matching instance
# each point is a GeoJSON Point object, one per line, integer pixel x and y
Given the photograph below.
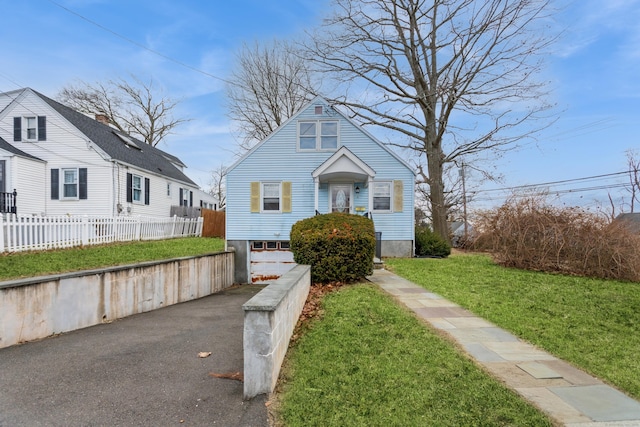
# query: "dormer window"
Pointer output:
{"type": "Point", "coordinates": [318, 109]}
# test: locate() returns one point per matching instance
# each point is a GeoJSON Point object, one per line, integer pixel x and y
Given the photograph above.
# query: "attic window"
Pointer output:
{"type": "Point", "coordinates": [127, 141]}
{"type": "Point", "coordinates": [318, 109]}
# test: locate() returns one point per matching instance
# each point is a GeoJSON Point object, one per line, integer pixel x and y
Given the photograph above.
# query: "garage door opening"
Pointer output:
{"type": "Point", "coordinates": [270, 260]}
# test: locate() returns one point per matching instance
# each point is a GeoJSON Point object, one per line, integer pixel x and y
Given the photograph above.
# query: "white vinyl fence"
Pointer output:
{"type": "Point", "coordinates": [36, 233]}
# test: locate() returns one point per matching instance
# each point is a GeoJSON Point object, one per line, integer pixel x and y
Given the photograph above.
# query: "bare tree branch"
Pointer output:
{"type": "Point", "coordinates": [269, 85]}
{"type": "Point", "coordinates": [134, 107]}
{"type": "Point", "coordinates": [218, 186]}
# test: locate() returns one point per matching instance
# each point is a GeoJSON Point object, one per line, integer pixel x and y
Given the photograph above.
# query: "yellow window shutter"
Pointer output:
{"type": "Point", "coordinates": [397, 196]}
{"type": "Point", "coordinates": [255, 197]}
{"type": "Point", "coordinates": [286, 196]}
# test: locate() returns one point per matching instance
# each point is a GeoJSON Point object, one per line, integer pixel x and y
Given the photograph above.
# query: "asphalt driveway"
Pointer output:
{"type": "Point", "coordinates": [143, 370]}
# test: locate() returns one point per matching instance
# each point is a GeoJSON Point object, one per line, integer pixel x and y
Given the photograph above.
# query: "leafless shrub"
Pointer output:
{"type": "Point", "coordinates": [531, 234]}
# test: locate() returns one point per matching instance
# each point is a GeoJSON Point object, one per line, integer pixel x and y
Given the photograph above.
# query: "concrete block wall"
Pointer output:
{"type": "Point", "coordinates": [38, 307]}
{"type": "Point", "coordinates": [269, 319]}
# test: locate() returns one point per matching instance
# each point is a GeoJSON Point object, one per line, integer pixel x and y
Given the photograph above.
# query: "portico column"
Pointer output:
{"type": "Point", "coordinates": [317, 189]}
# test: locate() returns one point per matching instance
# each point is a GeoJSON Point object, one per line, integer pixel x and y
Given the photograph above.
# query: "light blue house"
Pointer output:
{"type": "Point", "coordinates": [318, 161]}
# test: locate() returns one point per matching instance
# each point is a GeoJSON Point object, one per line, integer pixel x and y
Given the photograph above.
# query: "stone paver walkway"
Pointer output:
{"type": "Point", "coordinates": [566, 394]}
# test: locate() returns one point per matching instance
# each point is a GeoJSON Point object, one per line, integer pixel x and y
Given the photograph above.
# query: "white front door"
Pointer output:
{"type": "Point", "coordinates": [340, 198]}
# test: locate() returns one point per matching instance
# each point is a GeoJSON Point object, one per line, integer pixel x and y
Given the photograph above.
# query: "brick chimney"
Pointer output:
{"type": "Point", "coordinates": [102, 118]}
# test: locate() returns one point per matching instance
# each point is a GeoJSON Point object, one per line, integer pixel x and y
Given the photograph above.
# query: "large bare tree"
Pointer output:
{"type": "Point", "coordinates": [135, 107]}
{"type": "Point", "coordinates": [455, 78]}
{"type": "Point", "coordinates": [269, 84]}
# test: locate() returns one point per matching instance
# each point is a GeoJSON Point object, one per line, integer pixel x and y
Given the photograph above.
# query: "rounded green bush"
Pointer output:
{"type": "Point", "coordinates": [339, 247]}
{"type": "Point", "coordinates": [429, 243]}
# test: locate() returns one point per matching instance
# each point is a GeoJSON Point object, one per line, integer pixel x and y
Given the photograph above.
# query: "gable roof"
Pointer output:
{"type": "Point", "coordinates": [316, 100]}
{"type": "Point", "coordinates": [4, 145]}
{"type": "Point", "coordinates": [343, 164]}
{"type": "Point", "coordinates": [106, 138]}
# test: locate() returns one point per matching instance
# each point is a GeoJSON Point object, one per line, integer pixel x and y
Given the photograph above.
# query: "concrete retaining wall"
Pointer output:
{"type": "Point", "coordinates": [38, 307]}
{"type": "Point", "coordinates": [269, 319]}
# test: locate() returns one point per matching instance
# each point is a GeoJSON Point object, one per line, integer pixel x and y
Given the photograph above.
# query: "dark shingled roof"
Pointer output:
{"type": "Point", "coordinates": [147, 157]}
{"type": "Point", "coordinates": [4, 145]}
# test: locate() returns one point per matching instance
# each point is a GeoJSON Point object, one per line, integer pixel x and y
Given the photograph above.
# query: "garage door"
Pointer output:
{"type": "Point", "coordinates": [270, 260]}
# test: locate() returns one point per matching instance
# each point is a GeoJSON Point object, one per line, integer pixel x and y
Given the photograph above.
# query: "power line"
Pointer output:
{"type": "Point", "coordinates": [545, 184]}
{"type": "Point", "coordinates": [140, 45]}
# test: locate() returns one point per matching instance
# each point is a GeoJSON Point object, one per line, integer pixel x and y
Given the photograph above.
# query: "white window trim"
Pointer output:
{"type": "Point", "coordinates": [25, 128]}
{"type": "Point", "coordinates": [133, 189]}
{"type": "Point", "coordinates": [186, 196]}
{"type": "Point", "coordinates": [61, 184]}
{"type": "Point", "coordinates": [262, 184]}
{"type": "Point", "coordinates": [318, 135]}
{"type": "Point", "coordinates": [169, 189]}
{"type": "Point", "coordinates": [373, 195]}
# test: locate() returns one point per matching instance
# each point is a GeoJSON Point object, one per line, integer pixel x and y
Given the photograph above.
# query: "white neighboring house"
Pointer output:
{"type": "Point", "coordinates": [61, 162]}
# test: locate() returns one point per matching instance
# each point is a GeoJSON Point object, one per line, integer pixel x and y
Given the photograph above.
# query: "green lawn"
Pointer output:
{"type": "Point", "coordinates": [370, 362]}
{"type": "Point", "coordinates": [28, 264]}
{"type": "Point", "coordinates": [592, 323]}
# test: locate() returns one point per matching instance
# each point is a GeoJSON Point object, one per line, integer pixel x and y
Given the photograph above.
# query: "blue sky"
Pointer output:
{"type": "Point", "coordinates": [593, 72]}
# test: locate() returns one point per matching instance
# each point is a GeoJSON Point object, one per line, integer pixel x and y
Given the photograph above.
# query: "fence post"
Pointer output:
{"type": "Point", "coordinates": [2, 225]}
{"type": "Point", "coordinates": [138, 227]}
{"type": "Point", "coordinates": [173, 228]}
{"type": "Point", "coordinates": [84, 230]}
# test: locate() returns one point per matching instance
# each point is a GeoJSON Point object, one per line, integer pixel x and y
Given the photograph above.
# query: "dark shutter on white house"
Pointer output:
{"type": "Point", "coordinates": [17, 128]}
{"type": "Point", "coordinates": [42, 128]}
{"type": "Point", "coordinates": [55, 184]}
{"type": "Point", "coordinates": [190, 198]}
{"type": "Point", "coordinates": [82, 183]}
{"type": "Point", "coordinates": [181, 197]}
{"type": "Point", "coordinates": [147, 186]}
{"type": "Point", "coordinates": [129, 188]}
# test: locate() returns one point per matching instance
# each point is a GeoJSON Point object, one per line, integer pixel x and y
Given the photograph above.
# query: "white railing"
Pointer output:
{"type": "Point", "coordinates": [25, 233]}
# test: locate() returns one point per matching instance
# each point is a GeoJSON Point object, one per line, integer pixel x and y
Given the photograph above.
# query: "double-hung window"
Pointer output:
{"type": "Point", "coordinates": [382, 196]}
{"type": "Point", "coordinates": [30, 128]}
{"type": "Point", "coordinates": [69, 183]}
{"type": "Point", "coordinates": [318, 135]}
{"type": "Point", "coordinates": [137, 188]}
{"type": "Point", "coordinates": [271, 197]}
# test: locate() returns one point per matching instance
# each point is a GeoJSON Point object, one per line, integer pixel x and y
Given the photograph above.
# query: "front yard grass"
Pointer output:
{"type": "Point", "coordinates": [29, 264]}
{"type": "Point", "coordinates": [592, 323]}
{"type": "Point", "coordinates": [369, 362]}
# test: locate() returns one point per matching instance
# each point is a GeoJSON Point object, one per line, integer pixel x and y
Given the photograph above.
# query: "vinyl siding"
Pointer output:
{"type": "Point", "coordinates": [277, 160]}
{"type": "Point", "coordinates": [29, 179]}
{"type": "Point", "coordinates": [66, 147]}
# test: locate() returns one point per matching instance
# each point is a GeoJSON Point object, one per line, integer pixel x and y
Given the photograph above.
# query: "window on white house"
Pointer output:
{"type": "Point", "coordinates": [185, 197]}
{"type": "Point", "coordinates": [318, 135]}
{"type": "Point", "coordinates": [382, 196]}
{"type": "Point", "coordinates": [31, 128]}
{"type": "Point", "coordinates": [168, 189]}
{"type": "Point", "coordinates": [271, 197]}
{"type": "Point", "coordinates": [137, 188]}
{"type": "Point", "coordinates": [69, 183]}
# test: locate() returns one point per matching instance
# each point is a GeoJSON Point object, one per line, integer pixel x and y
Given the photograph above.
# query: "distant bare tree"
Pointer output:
{"type": "Point", "coordinates": [218, 186]}
{"type": "Point", "coordinates": [270, 83]}
{"type": "Point", "coordinates": [135, 108]}
{"type": "Point", "coordinates": [633, 165]}
{"type": "Point", "coordinates": [454, 77]}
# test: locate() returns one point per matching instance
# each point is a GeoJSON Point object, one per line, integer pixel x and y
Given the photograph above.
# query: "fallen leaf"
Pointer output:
{"type": "Point", "coordinates": [238, 376]}
{"type": "Point", "coordinates": [203, 354]}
